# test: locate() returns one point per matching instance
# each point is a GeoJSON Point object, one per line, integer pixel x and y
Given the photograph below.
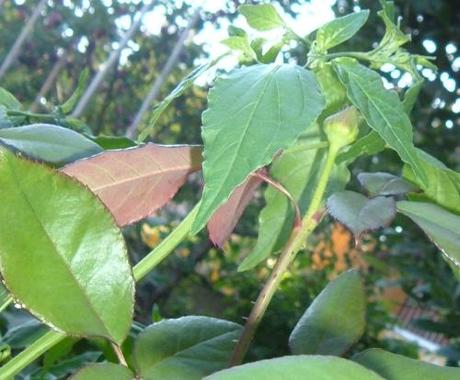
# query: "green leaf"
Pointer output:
{"type": "Point", "coordinates": [186, 348]}
{"type": "Point", "coordinates": [8, 100]}
{"type": "Point", "coordinates": [61, 254]}
{"type": "Point", "coordinates": [235, 31]}
{"type": "Point", "coordinates": [441, 226]}
{"type": "Point", "coordinates": [398, 367]}
{"type": "Point", "coordinates": [262, 16]}
{"type": "Point", "coordinates": [394, 37]}
{"type": "Point", "coordinates": [70, 103]}
{"type": "Point", "coordinates": [104, 371]}
{"type": "Point", "coordinates": [334, 321]}
{"type": "Point", "coordinates": [258, 106]}
{"type": "Point", "coordinates": [241, 44]}
{"type": "Point", "coordinates": [333, 90]}
{"type": "Point", "coordinates": [380, 183]}
{"type": "Point", "coordinates": [183, 86]}
{"type": "Point", "coordinates": [301, 367]}
{"type": "Point", "coordinates": [382, 110]}
{"type": "Point", "coordinates": [369, 144]}
{"type": "Point", "coordinates": [24, 334]}
{"type": "Point", "coordinates": [114, 142]}
{"type": "Point", "coordinates": [258, 45]}
{"type": "Point", "coordinates": [411, 95]}
{"type": "Point", "coordinates": [340, 30]}
{"type": "Point", "coordinates": [49, 143]}
{"type": "Point", "coordinates": [297, 170]}
{"type": "Point", "coordinates": [359, 213]}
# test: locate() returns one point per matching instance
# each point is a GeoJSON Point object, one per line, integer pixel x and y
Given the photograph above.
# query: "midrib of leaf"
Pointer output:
{"type": "Point", "coordinates": [268, 79]}
{"type": "Point", "coordinates": [411, 162]}
{"type": "Point", "coordinates": [58, 254]}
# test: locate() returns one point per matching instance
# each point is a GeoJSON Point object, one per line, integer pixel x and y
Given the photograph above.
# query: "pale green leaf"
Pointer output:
{"type": "Point", "coordinates": [301, 367]}
{"type": "Point", "coordinates": [380, 183]}
{"type": "Point", "coordinates": [252, 114]}
{"type": "Point", "coordinates": [183, 86]}
{"type": "Point", "coordinates": [332, 89]}
{"type": "Point", "coordinates": [50, 227]}
{"type": "Point", "coordinates": [382, 110]}
{"type": "Point", "coordinates": [70, 103]}
{"type": "Point", "coordinates": [397, 367]}
{"type": "Point", "coordinates": [49, 143]}
{"type": "Point", "coordinates": [241, 44]}
{"type": "Point", "coordinates": [186, 348]}
{"type": "Point", "coordinates": [359, 213]}
{"type": "Point", "coordinates": [104, 371]}
{"type": "Point", "coordinates": [262, 16]}
{"type": "Point", "coordinates": [340, 30]}
{"type": "Point", "coordinates": [334, 321]}
{"type": "Point", "coordinates": [441, 226]}
{"type": "Point", "coordinates": [8, 100]}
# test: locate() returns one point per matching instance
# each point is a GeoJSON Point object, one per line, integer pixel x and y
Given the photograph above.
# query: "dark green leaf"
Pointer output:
{"type": "Point", "coordinates": [185, 348]}
{"type": "Point", "coordinates": [411, 95]}
{"type": "Point", "coordinates": [301, 367]}
{"type": "Point", "coordinates": [50, 227]}
{"type": "Point", "coordinates": [442, 227]}
{"type": "Point", "coordinates": [25, 333]}
{"type": "Point", "coordinates": [104, 371]}
{"type": "Point", "coordinates": [183, 86]}
{"type": "Point", "coordinates": [70, 104]}
{"type": "Point", "coordinates": [49, 143]}
{"type": "Point", "coordinates": [382, 110]}
{"type": "Point", "coordinates": [258, 106]}
{"type": "Point", "coordinates": [380, 183]}
{"type": "Point", "coordinates": [66, 367]}
{"type": "Point", "coordinates": [235, 31]}
{"type": "Point", "coordinates": [370, 144]}
{"type": "Point", "coordinates": [334, 321]}
{"type": "Point", "coordinates": [262, 16]}
{"type": "Point", "coordinates": [340, 30]}
{"type": "Point", "coordinates": [114, 142]}
{"type": "Point", "coordinates": [398, 367]}
{"type": "Point", "coordinates": [8, 100]}
{"type": "Point", "coordinates": [359, 213]}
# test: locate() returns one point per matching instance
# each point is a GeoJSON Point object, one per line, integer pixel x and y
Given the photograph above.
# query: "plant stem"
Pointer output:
{"type": "Point", "coordinates": [165, 247]}
{"type": "Point", "coordinates": [296, 241]}
{"type": "Point", "coordinates": [51, 338]}
{"type": "Point", "coordinates": [119, 353]}
{"type": "Point", "coordinates": [24, 358]}
{"type": "Point", "coordinates": [6, 303]}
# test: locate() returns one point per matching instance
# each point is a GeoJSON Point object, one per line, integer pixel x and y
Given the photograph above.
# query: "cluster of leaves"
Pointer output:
{"type": "Point", "coordinates": [74, 192]}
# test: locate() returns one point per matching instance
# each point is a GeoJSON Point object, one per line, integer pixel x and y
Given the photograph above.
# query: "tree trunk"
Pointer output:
{"type": "Point", "coordinates": [113, 58]}
{"type": "Point", "coordinates": [58, 65]}
{"type": "Point", "coordinates": [159, 81]}
{"type": "Point", "coordinates": [28, 27]}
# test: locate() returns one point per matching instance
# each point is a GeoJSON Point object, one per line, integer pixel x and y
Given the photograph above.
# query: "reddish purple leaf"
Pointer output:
{"type": "Point", "coordinates": [134, 183]}
{"type": "Point", "coordinates": [224, 220]}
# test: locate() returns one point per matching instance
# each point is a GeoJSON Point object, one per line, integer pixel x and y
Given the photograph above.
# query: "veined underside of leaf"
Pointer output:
{"type": "Point", "coordinates": [134, 183]}
{"type": "Point", "coordinates": [224, 220]}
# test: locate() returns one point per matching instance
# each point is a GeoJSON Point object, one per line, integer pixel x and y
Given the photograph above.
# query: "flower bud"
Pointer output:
{"type": "Point", "coordinates": [342, 128]}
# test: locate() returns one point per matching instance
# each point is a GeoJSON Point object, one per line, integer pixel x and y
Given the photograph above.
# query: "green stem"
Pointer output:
{"type": "Point", "coordinates": [165, 247]}
{"type": "Point", "coordinates": [296, 241]}
{"type": "Point", "coordinates": [51, 338]}
{"type": "Point", "coordinates": [37, 348]}
{"type": "Point", "coordinates": [8, 300]}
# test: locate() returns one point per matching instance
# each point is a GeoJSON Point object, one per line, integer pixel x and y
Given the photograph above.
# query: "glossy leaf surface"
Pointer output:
{"type": "Point", "coordinates": [301, 367]}
{"type": "Point", "coordinates": [382, 110]}
{"type": "Point", "coordinates": [134, 183]}
{"type": "Point", "coordinates": [359, 213]}
{"type": "Point", "coordinates": [340, 30]}
{"type": "Point", "coordinates": [185, 348]}
{"type": "Point", "coordinates": [334, 321]}
{"type": "Point", "coordinates": [380, 183]}
{"type": "Point", "coordinates": [104, 371]}
{"type": "Point", "coordinates": [397, 367]}
{"type": "Point", "coordinates": [224, 220]}
{"type": "Point", "coordinates": [261, 16]}
{"type": "Point", "coordinates": [49, 143]}
{"type": "Point", "coordinates": [441, 226]}
{"type": "Point", "coordinates": [252, 114]}
{"type": "Point", "coordinates": [69, 266]}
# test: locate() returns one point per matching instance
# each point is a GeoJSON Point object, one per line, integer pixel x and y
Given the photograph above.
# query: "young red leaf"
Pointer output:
{"type": "Point", "coordinates": [134, 183]}
{"type": "Point", "coordinates": [224, 220]}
